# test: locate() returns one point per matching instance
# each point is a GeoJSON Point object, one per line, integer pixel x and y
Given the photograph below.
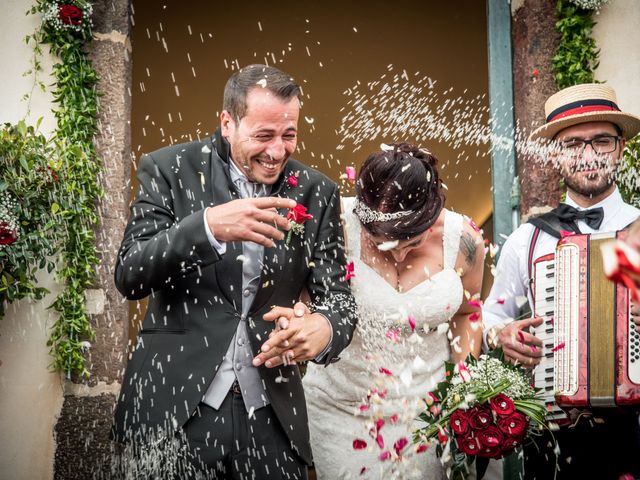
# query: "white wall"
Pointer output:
{"type": "Point", "coordinates": [30, 395]}
{"type": "Point", "coordinates": [618, 37]}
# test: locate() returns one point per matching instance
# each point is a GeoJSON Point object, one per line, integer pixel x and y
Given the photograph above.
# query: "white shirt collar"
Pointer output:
{"type": "Point", "coordinates": [608, 204]}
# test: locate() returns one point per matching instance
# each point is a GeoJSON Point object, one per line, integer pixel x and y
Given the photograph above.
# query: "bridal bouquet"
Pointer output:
{"type": "Point", "coordinates": [484, 408]}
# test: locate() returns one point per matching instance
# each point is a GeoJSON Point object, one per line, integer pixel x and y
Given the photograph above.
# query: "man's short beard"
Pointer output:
{"type": "Point", "coordinates": [588, 190]}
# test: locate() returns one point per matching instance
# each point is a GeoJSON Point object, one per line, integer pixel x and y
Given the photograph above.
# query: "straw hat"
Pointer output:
{"type": "Point", "coordinates": [588, 102]}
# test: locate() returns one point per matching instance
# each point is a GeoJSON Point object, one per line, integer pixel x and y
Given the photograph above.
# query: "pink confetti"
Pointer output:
{"type": "Point", "coordinates": [475, 303]}
{"type": "Point", "coordinates": [560, 346]}
{"type": "Point", "coordinates": [351, 173]}
{"type": "Point", "coordinates": [393, 418]}
{"type": "Point", "coordinates": [412, 322]}
{"type": "Point", "coordinates": [349, 267]}
{"type": "Point", "coordinates": [379, 424]}
{"type": "Point", "coordinates": [535, 72]}
{"type": "Point", "coordinates": [385, 371]}
{"type": "Point", "coordinates": [422, 448]}
{"type": "Point", "coordinates": [474, 317]}
{"type": "Point", "coordinates": [520, 336]}
{"type": "Point", "coordinates": [380, 441]}
{"type": "Point", "coordinates": [442, 436]}
{"type": "Point", "coordinates": [363, 408]}
{"type": "Point", "coordinates": [534, 348]}
{"type": "Point", "coordinates": [500, 301]}
{"type": "Point", "coordinates": [393, 335]}
{"type": "Point", "coordinates": [384, 456]}
{"type": "Point", "coordinates": [400, 444]}
{"type": "Point", "coordinates": [359, 444]}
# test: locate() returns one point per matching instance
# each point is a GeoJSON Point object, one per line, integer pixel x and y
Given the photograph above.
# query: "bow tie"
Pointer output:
{"type": "Point", "coordinates": [592, 217]}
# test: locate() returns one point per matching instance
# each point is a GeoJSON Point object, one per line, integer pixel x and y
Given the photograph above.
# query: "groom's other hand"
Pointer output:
{"type": "Point", "coordinates": [520, 346]}
{"type": "Point", "coordinates": [249, 220]}
{"type": "Point", "coordinates": [300, 336]}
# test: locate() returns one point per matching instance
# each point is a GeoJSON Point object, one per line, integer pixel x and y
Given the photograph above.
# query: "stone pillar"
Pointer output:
{"type": "Point", "coordinates": [82, 430]}
{"type": "Point", "coordinates": [534, 43]}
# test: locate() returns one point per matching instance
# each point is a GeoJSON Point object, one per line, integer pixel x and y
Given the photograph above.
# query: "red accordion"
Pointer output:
{"type": "Point", "coordinates": [591, 348]}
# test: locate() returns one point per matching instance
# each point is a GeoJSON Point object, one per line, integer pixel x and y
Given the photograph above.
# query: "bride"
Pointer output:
{"type": "Point", "coordinates": [417, 267]}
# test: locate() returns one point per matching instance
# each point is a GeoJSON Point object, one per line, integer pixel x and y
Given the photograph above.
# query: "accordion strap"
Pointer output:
{"type": "Point", "coordinates": [532, 247]}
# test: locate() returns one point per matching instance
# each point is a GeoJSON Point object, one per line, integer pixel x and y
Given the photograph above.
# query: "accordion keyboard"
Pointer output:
{"type": "Point", "coordinates": [633, 352]}
{"type": "Point", "coordinates": [544, 307]}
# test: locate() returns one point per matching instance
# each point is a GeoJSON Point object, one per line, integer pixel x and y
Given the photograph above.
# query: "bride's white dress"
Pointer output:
{"type": "Point", "coordinates": [388, 361]}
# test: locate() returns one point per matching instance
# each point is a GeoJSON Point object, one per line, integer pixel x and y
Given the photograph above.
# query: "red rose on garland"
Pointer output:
{"type": "Point", "coordinates": [468, 444]}
{"type": "Point", "coordinates": [70, 14]}
{"type": "Point", "coordinates": [7, 235]}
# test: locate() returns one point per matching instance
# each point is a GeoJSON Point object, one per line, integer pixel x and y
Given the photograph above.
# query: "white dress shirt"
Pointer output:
{"type": "Point", "coordinates": [511, 283]}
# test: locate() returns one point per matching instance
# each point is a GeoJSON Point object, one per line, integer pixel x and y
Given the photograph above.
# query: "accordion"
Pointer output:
{"type": "Point", "coordinates": [591, 352]}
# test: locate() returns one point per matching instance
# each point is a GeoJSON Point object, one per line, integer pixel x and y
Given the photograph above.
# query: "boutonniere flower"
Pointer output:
{"type": "Point", "coordinates": [297, 216]}
{"type": "Point", "coordinates": [292, 180]}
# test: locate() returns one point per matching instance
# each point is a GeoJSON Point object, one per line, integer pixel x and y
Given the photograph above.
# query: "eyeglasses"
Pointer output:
{"type": "Point", "coordinates": [601, 144]}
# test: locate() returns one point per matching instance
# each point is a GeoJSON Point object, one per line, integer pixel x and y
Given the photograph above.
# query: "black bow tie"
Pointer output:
{"type": "Point", "coordinates": [592, 217]}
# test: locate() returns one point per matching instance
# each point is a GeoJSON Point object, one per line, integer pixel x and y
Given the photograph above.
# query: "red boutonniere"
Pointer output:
{"type": "Point", "coordinates": [297, 216]}
{"type": "Point", "coordinates": [292, 181]}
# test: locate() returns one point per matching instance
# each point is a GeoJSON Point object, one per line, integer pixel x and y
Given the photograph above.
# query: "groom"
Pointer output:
{"type": "Point", "coordinates": [215, 358]}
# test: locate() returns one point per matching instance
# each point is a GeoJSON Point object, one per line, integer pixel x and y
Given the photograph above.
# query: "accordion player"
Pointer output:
{"type": "Point", "coordinates": [591, 356]}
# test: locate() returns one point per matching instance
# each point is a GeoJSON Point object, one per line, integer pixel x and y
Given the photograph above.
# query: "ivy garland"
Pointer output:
{"type": "Point", "coordinates": [575, 62]}
{"type": "Point", "coordinates": [66, 28]}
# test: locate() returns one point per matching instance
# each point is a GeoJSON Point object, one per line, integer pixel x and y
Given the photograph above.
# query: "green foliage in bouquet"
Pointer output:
{"type": "Point", "coordinates": [28, 182]}
{"type": "Point", "coordinates": [484, 407]}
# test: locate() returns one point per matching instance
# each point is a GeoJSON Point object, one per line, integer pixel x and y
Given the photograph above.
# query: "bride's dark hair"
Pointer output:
{"type": "Point", "coordinates": [402, 178]}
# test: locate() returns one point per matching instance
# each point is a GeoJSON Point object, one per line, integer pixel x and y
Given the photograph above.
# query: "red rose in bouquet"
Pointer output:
{"type": "Point", "coordinates": [459, 422]}
{"type": "Point", "coordinates": [490, 438]}
{"type": "Point", "coordinates": [468, 444]}
{"type": "Point", "coordinates": [502, 405]}
{"type": "Point", "coordinates": [514, 425]}
{"type": "Point", "coordinates": [70, 14]}
{"type": "Point", "coordinates": [480, 417]}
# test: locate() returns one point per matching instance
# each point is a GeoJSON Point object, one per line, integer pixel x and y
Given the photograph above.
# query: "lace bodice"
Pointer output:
{"type": "Point", "coordinates": [413, 360]}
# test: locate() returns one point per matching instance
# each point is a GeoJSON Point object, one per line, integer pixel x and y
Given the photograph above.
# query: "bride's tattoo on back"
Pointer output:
{"type": "Point", "coordinates": [468, 247]}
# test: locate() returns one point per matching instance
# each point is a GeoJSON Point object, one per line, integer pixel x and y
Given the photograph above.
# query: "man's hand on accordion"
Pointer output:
{"type": "Point", "coordinates": [520, 346]}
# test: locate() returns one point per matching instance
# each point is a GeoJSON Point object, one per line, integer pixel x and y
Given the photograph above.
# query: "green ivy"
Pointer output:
{"type": "Point", "coordinates": [577, 56]}
{"type": "Point", "coordinates": [76, 97]}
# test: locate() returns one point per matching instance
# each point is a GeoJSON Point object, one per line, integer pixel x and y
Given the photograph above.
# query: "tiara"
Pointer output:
{"type": "Point", "coordinates": [366, 215]}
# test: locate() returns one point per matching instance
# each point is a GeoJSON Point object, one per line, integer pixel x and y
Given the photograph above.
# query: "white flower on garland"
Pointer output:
{"type": "Point", "coordinates": [8, 219]}
{"type": "Point", "coordinates": [589, 4]}
{"type": "Point", "coordinates": [72, 15]}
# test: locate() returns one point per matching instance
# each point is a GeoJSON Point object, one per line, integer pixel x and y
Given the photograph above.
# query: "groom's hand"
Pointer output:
{"type": "Point", "coordinates": [249, 220]}
{"type": "Point", "coordinates": [300, 336]}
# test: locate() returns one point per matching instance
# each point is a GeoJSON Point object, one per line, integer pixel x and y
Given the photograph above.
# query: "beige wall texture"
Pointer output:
{"type": "Point", "coordinates": [618, 36]}
{"type": "Point", "coordinates": [30, 395]}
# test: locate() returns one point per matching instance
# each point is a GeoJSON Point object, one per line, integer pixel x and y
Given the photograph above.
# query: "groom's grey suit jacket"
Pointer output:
{"type": "Point", "coordinates": [195, 294]}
